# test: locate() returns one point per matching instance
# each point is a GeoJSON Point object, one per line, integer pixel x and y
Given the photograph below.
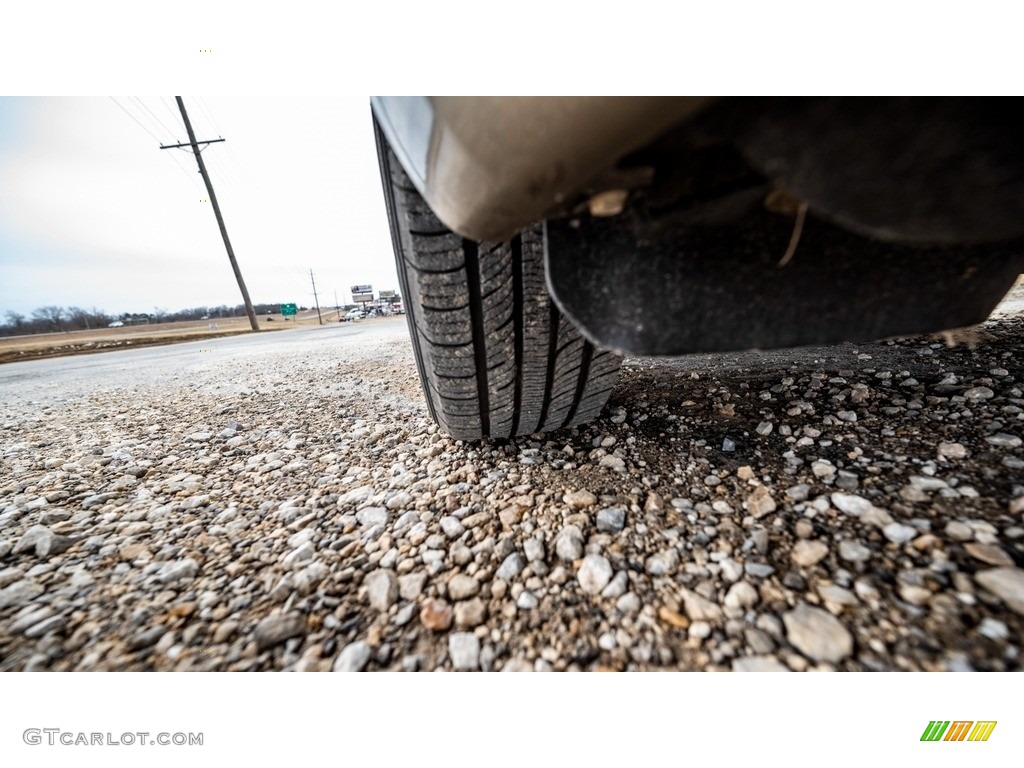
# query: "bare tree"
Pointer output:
{"type": "Point", "coordinates": [79, 318]}
{"type": "Point", "coordinates": [52, 316]}
{"type": "Point", "coordinates": [15, 319]}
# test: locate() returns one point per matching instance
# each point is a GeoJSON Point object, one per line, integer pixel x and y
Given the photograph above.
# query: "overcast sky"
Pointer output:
{"type": "Point", "coordinates": [93, 213]}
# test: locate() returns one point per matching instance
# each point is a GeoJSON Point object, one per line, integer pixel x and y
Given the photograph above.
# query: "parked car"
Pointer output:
{"type": "Point", "coordinates": [539, 239]}
{"type": "Point", "coordinates": [115, 324]}
{"type": "Point", "coordinates": [354, 314]}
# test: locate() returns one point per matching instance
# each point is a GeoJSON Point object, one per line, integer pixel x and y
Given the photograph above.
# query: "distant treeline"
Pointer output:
{"type": "Point", "coordinates": [59, 319]}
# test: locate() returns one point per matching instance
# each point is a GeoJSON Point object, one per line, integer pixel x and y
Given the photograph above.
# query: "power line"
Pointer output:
{"type": "Point", "coordinates": [177, 162]}
{"type": "Point", "coordinates": [231, 153]}
{"type": "Point", "coordinates": [206, 111]}
{"type": "Point", "coordinates": [174, 117]}
{"type": "Point", "coordinates": [222, 167]}
{"type": "Point", "coordinates": [160, 122]}
{"type": "Point", "coordinates": [158, 141]}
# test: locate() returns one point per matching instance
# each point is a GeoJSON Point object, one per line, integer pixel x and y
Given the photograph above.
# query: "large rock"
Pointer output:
{"type": "Point", "coordinates": [275, 629]}
{"type": "Point", "coordinates": [353, 658]}
{"type": "Point", "coordinates": [594, 574]}
{"type": "Point", "coordinates": [1005, 583]}
{"type": "Point", "coordinates": [817, 634]}
{"type": "Point", "coordinates": [382, 589]}
{"type": "Point", "coordinates": [464, 650]}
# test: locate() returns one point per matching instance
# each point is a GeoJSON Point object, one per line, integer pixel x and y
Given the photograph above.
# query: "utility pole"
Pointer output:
{"type": "Point", "coordinates": [315, 298]}
{"type": "Point", "coordinates": [337, 309]}
{"type": "Point", "coordinates": [216, 208]}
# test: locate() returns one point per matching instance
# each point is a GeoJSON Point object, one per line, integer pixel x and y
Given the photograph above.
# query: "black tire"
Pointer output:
{"type": "Point", "coordinates": [496, 358]}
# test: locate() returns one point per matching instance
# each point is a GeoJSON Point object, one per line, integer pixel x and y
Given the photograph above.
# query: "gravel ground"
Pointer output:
{"type": "Point", "coordinates": [286, 503]}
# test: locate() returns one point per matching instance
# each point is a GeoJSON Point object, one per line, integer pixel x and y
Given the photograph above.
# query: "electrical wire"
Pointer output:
{"type": "Point", "coordinates": [204, 107]}
{"type": "Point", "coordinates": [177, 162]}
{"type": "Point", "coordinates": [153, 114]}
{"type": "Point", "coordinates": [136, 120]}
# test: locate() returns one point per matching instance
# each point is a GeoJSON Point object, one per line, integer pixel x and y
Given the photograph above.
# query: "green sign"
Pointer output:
{"type": "Point", "coordinates": [288, 309]}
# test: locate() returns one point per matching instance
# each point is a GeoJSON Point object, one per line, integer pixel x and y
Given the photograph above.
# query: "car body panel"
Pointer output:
{"type": "Point", "coordinates": [489, 166]}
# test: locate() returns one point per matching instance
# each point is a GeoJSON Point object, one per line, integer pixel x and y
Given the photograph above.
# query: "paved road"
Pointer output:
{"type": "Point", "coordinates": [54, 377]}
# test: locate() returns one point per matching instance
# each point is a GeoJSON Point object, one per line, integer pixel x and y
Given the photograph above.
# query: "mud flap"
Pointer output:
{"type": "Point", "coordinates": [645, 285]}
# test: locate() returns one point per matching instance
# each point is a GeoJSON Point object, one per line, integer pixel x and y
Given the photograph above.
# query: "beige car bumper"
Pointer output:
{"type": "Point", "coordinates": [488, 166]}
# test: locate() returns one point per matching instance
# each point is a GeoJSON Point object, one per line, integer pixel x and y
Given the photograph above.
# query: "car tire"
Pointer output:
{"type": "Point", "coordinates": [496, 358]}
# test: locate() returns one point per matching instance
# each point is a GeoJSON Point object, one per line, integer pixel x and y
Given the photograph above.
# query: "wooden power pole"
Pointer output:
{"type": "Point", "coordinates": [216, 208]}
{"type": "Point", "coordinates": [315, 298]}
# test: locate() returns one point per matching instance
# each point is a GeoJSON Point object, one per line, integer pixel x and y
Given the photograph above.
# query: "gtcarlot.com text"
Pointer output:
{"type": "Point", "coordinates": [56, 736]}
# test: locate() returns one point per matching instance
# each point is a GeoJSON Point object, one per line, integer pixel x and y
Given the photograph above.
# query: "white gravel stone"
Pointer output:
{"type": "Point", "coordinates": [302, 554]}
{"type": "Point", "coordinates": [611, 519]}
{"type": "Point", "coordinates": [741, 595]}
{"type": "Point", "coordinates": [809, 552]}
{"type": "Point", "coordinates": [617, 586]}
{"type": "Point", "coordinates": [534, 550]}
{"type": "Point", "coordinates": [758, 664]}
{"type": "Point", "coordinates": [823, 468]}
{"type": "Point", "coordinates": [464, 650]}
{"type": "Point", "coordinates": [951, 451]}
{"type": "Point", "coordinates": [371, 516]}
{"type": "Point", "coordinates": [400, 500]}
{"type": "Point", "coordinates": [699, 630]}
{"type": "Point", "coordinates": [628, 604]}
{"type": "Point", "coordinates": [594, 574]}
{"type": "Point", "coordinates": [851, 504]}
{"type": "Point", "coordinates": [510, 567]}
{"type": "Point", "coordinates": [177, 570]}
{"type": "Point", "coordinates": [700, 608]}
{"type": "Point", "coordinates": [354, 657]}
{"type": "Point", "coordinates": [1003, 440]}
{"type": "Point", "coordinates": [410, 585]}
{"type": "Point", "coordinates": [381, 589]}
{"type": "Point", "coordinates": [276, 628]}
{"type": "Point", "coordinates": [569, 544]}
{"type": "Point", "coordinates": [527, 600]}
{"type": "Point", "coordinates": [853, 551]}
{"type": "Point", "coordinates": [462, 587]}
{"type": "Point", "coordinates": [898, 533]}
{"type": "Point", "coordinates": [663, 563]}
{"type": "Point", "coordinates": [993, 629]}
{"type": "Point", "coordinates": [732, 570]}
{"type": "Point", "coordinates": [43, 541]}
{"type": "Point", "coordinates": [959, 531]}
{"type": "Point", "coordinates": [817, 634]}
{"type": "Point", "coordinates": [452, 526]}
{"type": "Point", "coordinates": [19, 593]}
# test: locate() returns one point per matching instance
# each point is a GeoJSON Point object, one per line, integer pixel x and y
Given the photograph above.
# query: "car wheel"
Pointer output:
{"type": "Point", "coordinates": [495, 356]}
